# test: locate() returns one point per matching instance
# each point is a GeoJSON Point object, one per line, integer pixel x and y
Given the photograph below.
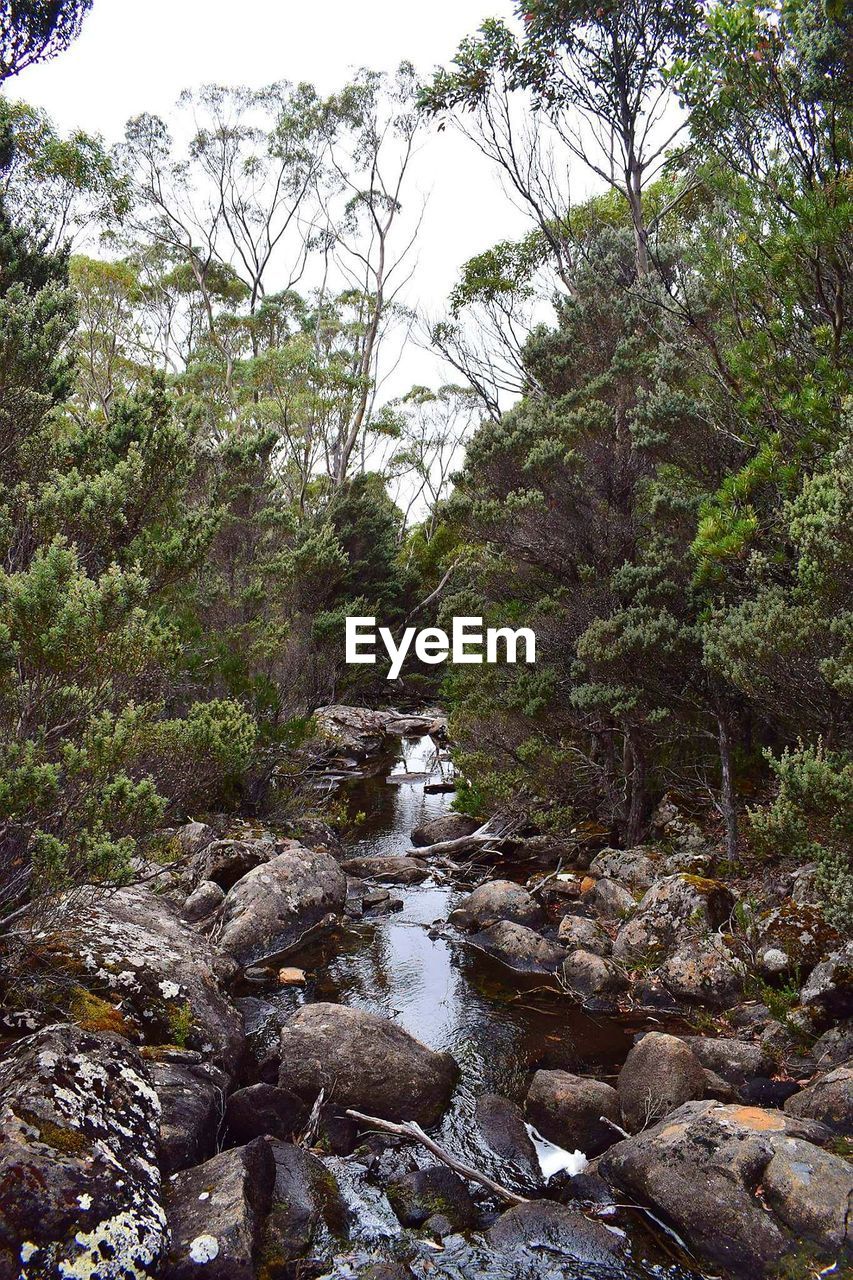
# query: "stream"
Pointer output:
{"type": "Point", "coordinates": [407, 966]}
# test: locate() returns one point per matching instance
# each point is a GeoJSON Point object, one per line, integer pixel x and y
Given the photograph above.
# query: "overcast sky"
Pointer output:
{"type": "Point", "coordinates": [137, 55]}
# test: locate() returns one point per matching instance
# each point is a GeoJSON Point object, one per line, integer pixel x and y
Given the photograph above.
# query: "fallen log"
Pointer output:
{"type": "Point", "coordinates": [477, 840]}
{"type": "Point", "coordinates": [412, 1130]}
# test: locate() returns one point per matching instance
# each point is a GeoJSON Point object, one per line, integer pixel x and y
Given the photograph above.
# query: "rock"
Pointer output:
{"type": "Point", "coordinates": [576, 933]}
{"type": "Point", "coordinates": [419, 1195]}
{"type": "Point", "coordinates": [828, 1099]}
{"type": "Point", "coordinates": [720, 1089]}
{"type": "Point", "coordinates": [671, 822]}
{"type": "Point", "coordinates": [133, 947]}
{"type": "Point", "coordinates": [203, 901]}
{"type": "Point", "coordinates": [701, 1168]}
{"type": "Point", "coordinates": [796, 932]}
{"type": "Point", "coordinates": [391, 870]}
{"type": "Point", "coordinates": [735, 1060]}
{"type": "Point", "coordinates": [835, 1046]}
{"type": "Point", "coordinates": [271, 909]}
{"type": "Point", "coordinates": [705, 971]}
{"type": "Point", "coordinates": [810, 1193]}
{"type": "Point", "coordinates": [79, 1183]}
{"type": "Point", "coordinates": [591, 977]}
{"type": "Point", "coordinates": [636, 868]}
{"type": "Point", "coordinates": [450, 826]}
{"type": "Point", "coordinates": [264, 1109]}
{"type": "Point", "coordinates": [568, 1110]}
{"type": "Point", "coordinates": [497, 900]}
{"type": "Point", "coordinates": [554, 1229]}
{"type": "Point", "coordinates": [674, 907]}
{"type": "Point", "coordinates": [364, 1062]}
{"type": "Point", "coordinates": [306, 1205]}
{"type": "Point", "coordinates": [786, 1052]}
{"type": "Point", "coordinates": [501, 1126]}
{"type": "Point", "coordinates": [519, 948]}
{"type": "Point", "coordinates": [290, 976]}
{"type": "Point", "coordinates": [659, 1074]}
{"type": "Point", "coordinates": [226, 861]}
{"type": "Point", "coordinates": [828, 992]}
{"type": "Point", "coordinates": [192, 1099]}
{"type": "Point", "coordinates": [609, 900]}
{"type": "Point", "coordinates": [763, 1092]}
{"type": "Point", "coordinates": [356, 731]}
{"type": "Point", "coordinates": [216, 1213]}
{"type": "Point", "coordinates": [194, 837]}
{"type": "Point", "coordinates": [386, 1271]}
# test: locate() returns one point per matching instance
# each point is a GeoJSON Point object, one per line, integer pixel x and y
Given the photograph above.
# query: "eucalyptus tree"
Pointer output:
{"type": "Point", "coordinates": [32, 31]}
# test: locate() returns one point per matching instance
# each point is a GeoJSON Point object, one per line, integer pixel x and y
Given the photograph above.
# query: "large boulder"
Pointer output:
{"type": "Point", "coordinates": [792, 937]}
{"type": "Point", "coordinates": [393, 869]}
{"type": "Point", "coordinates": [216, 1213]}
{"type": "Point", "coordinates": [592, 979]}
{"type": "Point", "coordinates": [307, 1210]}
{"type": "Point", "coordinates": [703, 1168]}
{"type": "Point", "coordinates": [364, 1062]}
{"type": "Point", "coordinates": [571, 1111]}
{"type": "Point", "coordinates": [264, 1110]}
{"type": "Point", "coordinates": [735, 1060]}
{"type": "Point", "coordinates": [420, 1195]}
{"type": "Point", "coordinates": [132, 947]}
{"type": "Point", "coordinates": [675, 907]}
{"type": "Point", "coordinates": [203, 901]}
{"type": "Point", "coordinates": [80, 1189]}
{"type": "Point", "coordinates": [555, 1229]}
{"type": "Point", "coordinates": [636, 868]}
{"type": "Point", "coordinates": [192, 1099]}
{"type": "Point", "coordinates": [355, 731]}
{"type": "Point", "coordinates": [226, 861]}
{"type": "Point", "coordinates": [449, 826]}
{"type": "Point", "coordinates": [271, 909]}
{"type": "Point", "coordinates": [659, 1074]}
{"type": "Point", "coordinates": [577, 933]}
{"type": "Point", "coordinates": [518, 948]}
{"type": "Point", "coordinates": [497, 900]}
{"type": "Point", "coordinates": [828, 1099]}
{"type": "Point", "coordinates": [703, 971]}
{"type": "Point", "coordinates": [609, 900]}
{"type": "Point", "coordinates": [828, 991]}
{"type": "Point", "coordinates": [501, 1126]}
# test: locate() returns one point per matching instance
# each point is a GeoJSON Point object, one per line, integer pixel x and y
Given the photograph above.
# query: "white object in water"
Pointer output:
{"type": "Point", "coordinates": [553, 1159]}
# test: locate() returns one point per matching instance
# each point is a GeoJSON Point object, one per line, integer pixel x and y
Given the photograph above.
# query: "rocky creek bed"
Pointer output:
{"type": "Point", "coordinates": [578, 1025]}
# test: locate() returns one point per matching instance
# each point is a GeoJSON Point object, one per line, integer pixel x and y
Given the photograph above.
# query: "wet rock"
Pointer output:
{"type": "Point", "coordinates": [192, 1100]}
{"type": "Point", "coordinates": [450, 826]}
{"type": "Point", "coordinates": [134, 948]}
{"type": "Point", "coordinates": [364, 1062]}
{"type": "Point", "coordinates": [79, 1183]}
{"type": "Point", "coordinates": [637, 868]}
{"type": "Point", "coordinates": [519, 948]}
{"type": "Point", "coordinates": [356, 731]}
{"type": "Point", "coordinates": [203, 901]}
{"type": "Point", "coordinates": [290, 976]}
{"type": "Point", "coordinates": [502, 1128]}
{"type": "Point", "coordinates": [828, 1099]}
{"type": "Point", "coordinates": [609, 900]}
{"type": "Point", "coordinates": [576, 933]}
{"type": "Point", "coordinates": [585, 1188]}
{"type": "Point", "coordinates": [419, 1195]}
{"type": "Point", "coordinates": [263, 1109]}
{"type": "Point", "coordinates": [568, 1110]}
{"type": "Point", "coordinates": [793, 937]}
{"type": "Point", "coordinates": [555, 1229]}
{"type": "Point", "coordinates": [673, 908]}
{"type": "Point", "coordinates": [701, 1168]}
{"type": "Point", "coordinates": [386, 1271]}
{"type": "Point", "coordinates": [307, 1209]}
{"type": "Point", "coordinates": [390, 870]}
{"type": "Point", "coordinates": [216, 1213]}
{"type": "Point", "coordinates": [735, 1060]}
{"type": "Point", "coordinates": [497, 900]}
{"type": "Point", "coordinates": [659, 1074]}
{"type": "Point", "coordinates": [590, 977]}
{"type": "Point", "coordinates": [273, 907]}
{"type": "Point", "coordinates": [704, 971]}
{"type": "Point", "coordinates": [828, 992]}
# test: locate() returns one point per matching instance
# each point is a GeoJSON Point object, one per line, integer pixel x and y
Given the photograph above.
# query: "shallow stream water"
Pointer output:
{"type": "Point", "coordinates": [407, 967]}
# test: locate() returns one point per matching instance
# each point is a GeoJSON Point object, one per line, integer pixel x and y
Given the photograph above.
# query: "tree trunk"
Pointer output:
{"type": "Point", "coordinates": [728, 807]}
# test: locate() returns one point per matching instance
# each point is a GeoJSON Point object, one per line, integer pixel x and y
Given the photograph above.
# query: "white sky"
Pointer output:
{"type": "Point", "coordinates": [137, 55]}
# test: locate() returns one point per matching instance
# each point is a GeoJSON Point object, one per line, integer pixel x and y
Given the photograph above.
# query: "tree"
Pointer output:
{"type": "Point", "coordinates": [32, 31]}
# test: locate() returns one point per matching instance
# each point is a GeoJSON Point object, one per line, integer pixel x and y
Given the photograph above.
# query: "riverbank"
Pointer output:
{"type": "Point", "coordinates": [231, 1011]}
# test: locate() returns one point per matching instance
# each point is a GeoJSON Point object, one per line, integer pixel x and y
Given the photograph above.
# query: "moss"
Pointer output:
{"type": "Point", "coordinates": [702, 884]}
{"type": "Point", "coordinates": [842, 1147]}
{"type": "Point", "coordinates": [68, 1141]}
{"type": "Point", "coordinates": [94, 1014]}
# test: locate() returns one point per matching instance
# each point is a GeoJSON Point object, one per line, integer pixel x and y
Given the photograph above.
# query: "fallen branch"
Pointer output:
{"type": "Point", "coordinates": [410, 1129]}
{"type": "Point", "coordinates": [478, 840]}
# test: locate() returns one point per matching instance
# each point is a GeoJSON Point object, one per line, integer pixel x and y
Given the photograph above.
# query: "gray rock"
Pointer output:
{"type": "Point", "coordinates": [576, 933]}
{"type": "Point", "coordinates": [497, 900]}
{"type": "Point", "coordinates": [835, 1046]}
{"type": "Point", "coordinates": [226, 861]}
{"type": "Point", "coordinates": [307, 1208]}
{"type": "Point", "coordinates": [194, 837]}
{"type": "Point", "coordinates": [829, 1099]}
{"type": "Point", "coordinates": [419, 1195]}
{"type": "Point", "coordinates": [501, 1126]}
{"type": "Point", "coordinates": [568, 1110]}
{"type": "Point", "coordinates": [792, 937]}
{"type": "Point", "coordinates": [828, 992]}
{"type": "Point", "coordinates": [701, 1168]}
{"type": "Point", "coordinates": [78, 1150]}
{"type": "Point", "coordinates": [216, 1213]}
{"type": "Point", "coordinates": [271, 909]}
{"type": "Point", "coordinates": [390, 870]}
{"type": "Point", "coordinates": [519, 948]}
{"type": "Point", "coordinates": [704, 971]}
{"type": "Point", "coordinates": [192, 1100]}
{"type": "Point", "coordinates": [203, 901]}
{"type": "Point", "coordinates": [810, 1193]}
{"type": "Point", "coordinates": [264, 1109]}
{"type": "Point", "coordinates": [356, 731]}
{"type": "Point", "coordinates": [364, 1062]}
{"type": "Point", "coordinates": [450, 826]}
{"type": "Point", "coordinates": [735, 1060]}
{"type": "Point", "coordinates": [675, 907]}
{"type": "Point", "coordinates": [554, 1229]}
{"type": "Point", "coordinates": [593, 978]}
{"type": "Point", "coordinates": [659, 1074]}
{"type": "Point", "coordinates": [609, 900]}
{"type": "Point", "coordinates": [636, 868]}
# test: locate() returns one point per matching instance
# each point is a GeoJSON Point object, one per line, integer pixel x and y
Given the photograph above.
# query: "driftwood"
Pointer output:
{"type": "Point", "coordinates": [477, 840]}
{"type": "Point", "coordinates": [412, 1130]}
